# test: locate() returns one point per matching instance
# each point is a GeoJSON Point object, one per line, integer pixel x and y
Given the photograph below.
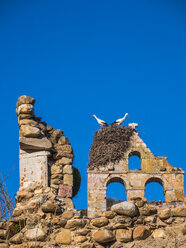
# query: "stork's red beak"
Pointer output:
{"type": "Point", "coordinates": [128, 115]}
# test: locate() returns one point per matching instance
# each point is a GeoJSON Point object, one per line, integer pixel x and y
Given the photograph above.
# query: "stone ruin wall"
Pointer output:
{"type": "Point", "coordinates": [45, 216]}
{"type": "Point", "coordinates": [153, 169]}
{"type": "Point", "coordinates": [45, 154]}
{"type": "Point", "coordinates": [40, 219]}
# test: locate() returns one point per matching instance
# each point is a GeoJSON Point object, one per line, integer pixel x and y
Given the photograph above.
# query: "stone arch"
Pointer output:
{"type": "Point", "coordinates": [116, 179]}
{"type": "Point", "coordinates": [156, 179]}
{"type": "Point", "coordinates": [134, 159]}
{"type": "Point", "coordinates": [134, 153]}
{"type": "Point", "coordinates": [159, 189]}
{"type": "Point", "coordinates": [116, 186]}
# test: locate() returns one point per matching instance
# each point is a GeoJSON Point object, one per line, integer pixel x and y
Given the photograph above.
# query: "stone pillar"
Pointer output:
{"type": "Point", "coordinates": [135, 193]}
{"type": "Point", "coordinates": [33, 167]}
{"type": "Point", "coordinates": [96, 197]}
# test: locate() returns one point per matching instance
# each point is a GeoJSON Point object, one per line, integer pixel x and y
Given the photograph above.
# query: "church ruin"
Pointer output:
{"type": "Point", "coordinates": [45, 216]}
{"type": "Point", "coordinates": [109, 155]}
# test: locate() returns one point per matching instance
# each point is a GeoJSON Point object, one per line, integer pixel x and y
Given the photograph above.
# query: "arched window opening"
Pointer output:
{"type": "Point", "coordinates": [154, 190]}
{"type": "Point", "coordinates": [115, 193]}
{"type": "Point", "coordinates": [134, 162]}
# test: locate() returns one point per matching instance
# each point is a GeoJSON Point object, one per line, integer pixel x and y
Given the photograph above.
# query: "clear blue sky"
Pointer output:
{"type": "Point", "coordinates": [79, 58]}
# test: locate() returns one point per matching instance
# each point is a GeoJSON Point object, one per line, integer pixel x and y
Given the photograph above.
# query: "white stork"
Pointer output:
{"type": "Point", "coordinates": [120, 121]}
{"type": "Point", "coordinates": [100, 122]}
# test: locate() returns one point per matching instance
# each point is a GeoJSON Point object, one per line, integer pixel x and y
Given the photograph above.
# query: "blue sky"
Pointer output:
{"type": "Point", "coordinates": [79, 58]}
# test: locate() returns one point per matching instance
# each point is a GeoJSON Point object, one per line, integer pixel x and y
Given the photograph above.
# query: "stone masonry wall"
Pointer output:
{"type": "Point", "coordinates": [41, 219]}
{"type": "Point", "coordinates": [153, 169]}
{"type": "Point", "coordinates": [46, 155]}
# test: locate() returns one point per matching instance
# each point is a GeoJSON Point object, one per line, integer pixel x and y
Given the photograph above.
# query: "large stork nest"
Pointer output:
{"type": "Point", "coordinates": [109, 145]}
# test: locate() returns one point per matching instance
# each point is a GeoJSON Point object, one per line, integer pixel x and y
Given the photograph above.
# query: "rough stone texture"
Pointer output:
{"type": "Point", "coordinates": [125, 208]}
{"type": "Point", "coordinates": [64, 237]}
{"type": "Point", "coordinates": [35, 144]}
{"type": "Point", "coordinates": [25, 100]}
{"type": "Point", "coordinates": [103, 236]}
{"type": "Point", "coordinates": [164, 213]}
{"type": "Point", "coordinates": [123, 235]}
{"type": "Point", "coordinates": [140, 232]}
{"type": "Point", "coordinates": [35, 234]}
{"type": "Point", "coordinates": [17, 239]}
{"type": "Point", "coordinates": [180, 211]}
{"type": "Point", "coordinates": [159, 234]}
{"type": "Point", "coordinates": [29, 131]}
{"type": "Point", "coordinates": [50, 207]}
{"type": "Point", "coordinates": [99, 222]}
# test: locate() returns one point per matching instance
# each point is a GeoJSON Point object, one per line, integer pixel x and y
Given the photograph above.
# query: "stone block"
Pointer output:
{"type": "Point", "coordinates": [67, 169]}
{"type": "Point", "coordinates": [29, 131]}
{"type": "Point", "coordinates": [65, 191]}
{"type": "Point", "coordinates": [64, 237]}
{"type": "Point", "coordinates": [68, 179]}
{"type": "Point", "coordinates": [124, 235]}
{"type": "Point", "coordinates": [25, 100]}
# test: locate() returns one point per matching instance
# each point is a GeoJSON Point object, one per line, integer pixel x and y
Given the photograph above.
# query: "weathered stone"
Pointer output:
{"type": "Point", "coordinates": [109, 214]}
{"type": "Point", "coordinates": [160, 223]}
{"type": "Point", "coordinates": [17, 212]}
{"type": "Point", "coordinates": [80, 239]}
{"type": "Point", "coordinates": [29, 131]}
{"type": "Point", "coordinates": [176, 230]}
{"type": "Point", "coordinates": [148, 210]}
{"type": "Point", "coordinates": [184, 229]}
{"type": "Point", "coordinates": [4, 245]}
{"type": "Point", "coordinates": [25, 116]}
{"type": "Point", "coordinates": [3, 225]}
{"type": "Point", "coordinates": [62, 140]}
{"type": "Point", "coordinates": [3, 234]}
{"type": "Point", "coordinates": [68, 179]}
{"type": "Point", "coordinates": [64, 161]}
{"type": "Point", "coordinates": [124, 235]}
{"type": "Point", "coordinates": [125, 208]}
{"type": "Point", "coordinates": [168, 221]}
{"type": "Point", "coordinates": [67, 169]}
{"type": "Point", "coordinates": [164, 213]}
{"type": "Point", "coordinates": [34, 143]}
{"type": "Point", "coordinates": [140, 232]}
{"type": "Point", "coordinates": [17, 239]}
{"type": "Point", "coordinates": [65, 190]}
{"type": "Point", "coordinates": [179, 211]}
{"type": "Point", "coordinates": [25, 100]}
{"type": "Point", "coordinates": [55, 136]}
{"type": "Point", "coordinates": [76, 223]}
{"type": "Point", "coordinates": [68, 214]}
{"type": "Point", "coordinates": [159, 233]}
{"type": "Point", "coordinates": [99, 222]}
{"type": "Point", "coordinates": [56, 169]}
{"type": "Point", "coordinates": [29, 122]}
{"type": "Point", "coordinates": [35, 234]}
{"type": "Point", "coordinates": [63, 148]}
{"type": "Point", "coordinates": [22, 195]}
{"type": "Point", "coordinates": [121, 222]}
{"type": "Point", "coordinates": [87, 245]}
{"type": "Point", "coordinates": [50, 207]}
{"type": "Point", "coordinates": [64, 237]}
{"type": "Point", "coordinates": [82, 231]}
{"type": "Point", "coordinates": [150, 219]}
{"type": "Point", "coordinates": [103, 236]}
{"type": "Point", "coordinates": [25, 109]}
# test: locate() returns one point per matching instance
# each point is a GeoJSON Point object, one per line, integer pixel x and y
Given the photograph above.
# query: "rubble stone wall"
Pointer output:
{"type": "Point", "coordinates": [45, 215]}
{"type": "Point", "coordinates": [42, 219]}
{"type": "Point", "coordinates": [46, 155]}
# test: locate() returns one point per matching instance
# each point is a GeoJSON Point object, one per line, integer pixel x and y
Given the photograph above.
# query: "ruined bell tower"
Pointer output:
{"type": "Point", "coordinates": [109, 155]}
